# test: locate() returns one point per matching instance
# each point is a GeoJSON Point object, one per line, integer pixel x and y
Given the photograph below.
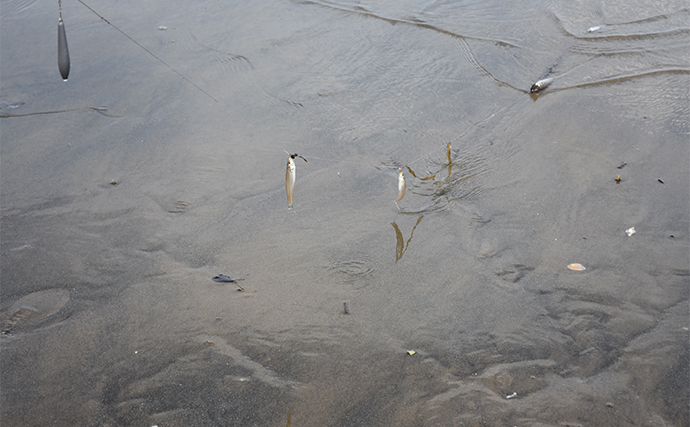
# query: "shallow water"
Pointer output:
{"type": "Point", "coordinates": [126, 189]}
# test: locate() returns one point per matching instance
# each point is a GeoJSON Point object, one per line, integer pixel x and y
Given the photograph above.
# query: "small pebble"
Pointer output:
{"type": "Point", "coordinates": [162, 28]}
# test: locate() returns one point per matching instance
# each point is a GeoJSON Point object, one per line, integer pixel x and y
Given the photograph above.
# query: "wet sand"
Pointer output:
{"type": "Point", "coordinates": [126, 189]}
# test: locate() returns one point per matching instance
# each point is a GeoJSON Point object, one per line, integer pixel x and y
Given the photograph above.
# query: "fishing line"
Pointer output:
{"type": "Point", "coordinates": [148, 51]}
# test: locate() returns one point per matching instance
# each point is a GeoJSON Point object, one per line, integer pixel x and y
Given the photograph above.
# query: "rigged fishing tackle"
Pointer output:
{"type": "Point", "coordinates": [63, 51]}
{"type": "Point", "coordinates": [290, 177]}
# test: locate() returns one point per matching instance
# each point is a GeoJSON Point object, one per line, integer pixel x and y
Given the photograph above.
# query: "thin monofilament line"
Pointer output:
{"type": "Point", "coordinates": [141, 46]}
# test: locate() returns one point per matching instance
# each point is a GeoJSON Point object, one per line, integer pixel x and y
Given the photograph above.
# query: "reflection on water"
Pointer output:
{"type": "Point", "coordinates": [400, 244]}
{"type": "Point", "coordinates": [115, 223]}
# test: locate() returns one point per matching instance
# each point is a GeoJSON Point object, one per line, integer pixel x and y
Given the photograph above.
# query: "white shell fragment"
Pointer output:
{"type": "Point", "coordinates": [630, 231]}
{"type": "Point", "coordinates": [576, 267]}
{"type": "Point", "coordinates": [593, 29]}
{"type": "Point", "coordinates": [510, 396]}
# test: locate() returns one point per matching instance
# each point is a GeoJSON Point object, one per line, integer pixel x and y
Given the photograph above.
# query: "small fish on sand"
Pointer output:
{"type": "Point", "coordinates": [541, 85]}
{"type": "Point", "coordinates": [290, 177]}
{"type": "Point", "coordinates": [401, 185]}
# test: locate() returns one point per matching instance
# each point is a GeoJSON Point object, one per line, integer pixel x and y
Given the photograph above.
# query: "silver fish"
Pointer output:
{"type": "Point", "coordinates": [401, 185]}
{"type": "Point", "coordinates": [290, 177]}
{"type": "Point", "coordinates": [541, 85]}
{"type": "Point", "coordinates": [63, 52]}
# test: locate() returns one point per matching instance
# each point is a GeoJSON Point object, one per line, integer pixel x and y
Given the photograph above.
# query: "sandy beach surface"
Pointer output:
{"type": "Point", "coordinates": [160, 163]}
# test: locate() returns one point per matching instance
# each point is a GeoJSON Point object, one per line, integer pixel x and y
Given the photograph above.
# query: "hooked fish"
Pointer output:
{"type": "Point", "coordinates": [63, 52]}
{"type": "Point", "coordinates": [541, 85]}
{"type": "Point", "coordinates": [290, 177]}
{"type": "Point", "coordinates": [401, 185]}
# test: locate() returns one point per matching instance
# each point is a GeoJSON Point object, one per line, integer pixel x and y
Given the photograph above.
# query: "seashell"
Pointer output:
{"type": "Point", "coordinates": [576, 267]}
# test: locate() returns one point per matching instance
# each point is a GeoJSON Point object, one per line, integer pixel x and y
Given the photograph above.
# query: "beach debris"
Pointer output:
{"type": "Point", "coordinates": [541, 85]}
{"type": "Point", "coordinates": [290, 177]}
{"type": "Point", "coordinates": [576, 267]}
{"type": "Point", "coordinates": [11, 106]}
{"type": "Point", "coordinates": [63, 51]}
{"type": "Point", "coordinates": [401, 185]}
{"type": "Point", "coordinates": [593, 29]}
{"type": "Point", "coordinates": [289, 413]}
{"type": "Point", "coordinates": [346, 307]}
{"type": "Point", "coordinates": [411, 352]}
{"type": "Point", "coordinates": [621, 166]}
{"type": "Point", "coordinates": [630, 231]}
{"type": "Point", "coordinates": [662, 182]}
{"type": "Point", "coordinates": [618, 179]}
{"type": "Point", "coordinates": [510, 396]}
{"type": "Point", "coordinates": [222, 278]}
{"type": "Point", "coordinates": [162, 28]}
